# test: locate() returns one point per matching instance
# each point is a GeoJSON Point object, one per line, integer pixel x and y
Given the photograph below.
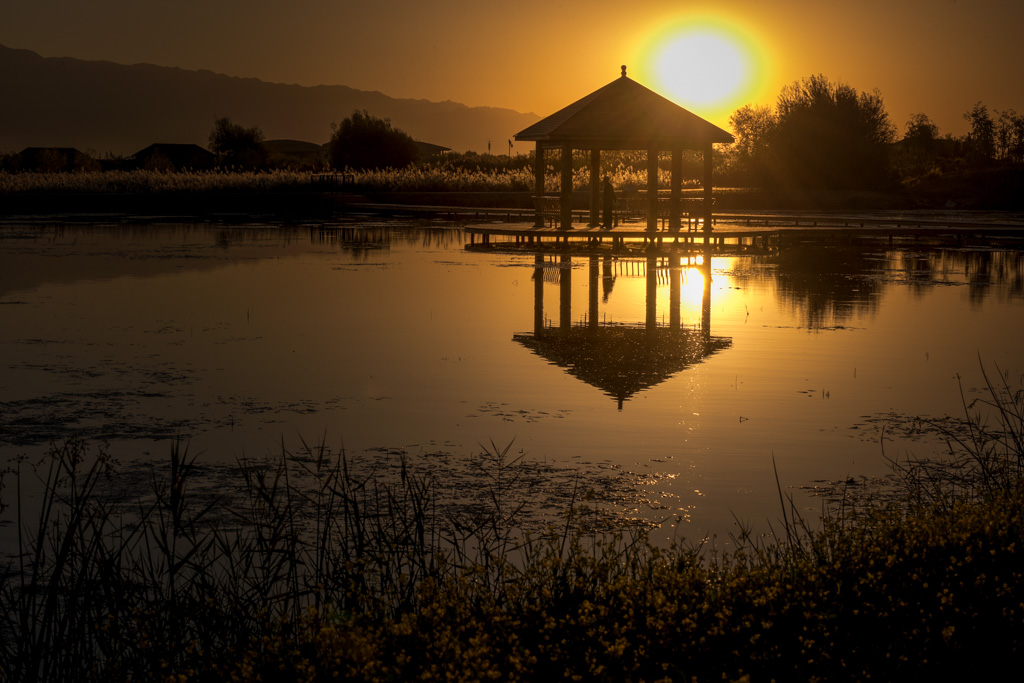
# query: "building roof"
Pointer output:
{"type": "Point", "coordinates": [177, 155]}
{"type": "Point", "coordinates": [291, 147]}
{"type": "Point", "coordinates": [429, 148]}
{"type": "Point", "coordinates": [62, 150]}
{"type": "Point", "coordinates": [173, 149]}
{"type": "Point", "coordinates": [625, 115]}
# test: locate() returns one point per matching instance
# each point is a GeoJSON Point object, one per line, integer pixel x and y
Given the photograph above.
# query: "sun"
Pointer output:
{"type": "Point", "coordinates": [708, 65]}
{"type": "Point", "coordinates": [702, 67]}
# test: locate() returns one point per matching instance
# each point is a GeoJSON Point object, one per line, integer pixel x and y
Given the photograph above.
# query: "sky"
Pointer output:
{"type": "Point", "coordinates": [937, 57]}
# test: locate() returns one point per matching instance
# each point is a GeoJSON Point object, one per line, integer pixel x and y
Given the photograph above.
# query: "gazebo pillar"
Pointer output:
{"type": "Point", "coordinates": [538, 186]}
{"type": "Point", "coordinates": [677, 184]}
{"type": "Point", "coordinates": [566, 186]}
{"type": "Point", "coordinates": [708, 166]}
{"type": "Point", "coordinates": [652, 189]}
{"type": "Point", "coordinates": [595, 187]}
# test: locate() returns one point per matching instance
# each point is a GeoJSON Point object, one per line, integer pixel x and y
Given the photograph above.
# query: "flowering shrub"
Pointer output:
{"type": "Point", "coordinates": [892, 597]}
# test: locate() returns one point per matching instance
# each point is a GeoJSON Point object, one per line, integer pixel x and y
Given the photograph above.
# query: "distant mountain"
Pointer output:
{"type": "Point", "coordinates": [107, 107]}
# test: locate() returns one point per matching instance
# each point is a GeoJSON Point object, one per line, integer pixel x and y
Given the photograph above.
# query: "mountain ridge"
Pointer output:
{"type": "Point", "coordinates": [103, 106]}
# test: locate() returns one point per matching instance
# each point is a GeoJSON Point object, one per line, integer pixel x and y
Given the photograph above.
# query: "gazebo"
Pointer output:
{"type": "Point", "coordinates": [620, 360]}
{"type": "Point", "coordinates": [623, 115]}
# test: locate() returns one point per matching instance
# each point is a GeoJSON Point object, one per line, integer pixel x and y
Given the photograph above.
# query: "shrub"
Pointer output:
{"type": "Point", "coordinates": [364, 142]}
{"type": "Point", "coordinates": [236, 145]}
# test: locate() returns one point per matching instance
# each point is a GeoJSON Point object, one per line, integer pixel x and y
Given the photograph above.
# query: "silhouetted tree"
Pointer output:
{"type": "Point", "coordinates": [237, 145]}
{"type": "Point", "coordinates": [921, 131]}
{"type": "Point", "coordinates": [920, 145]}
{"type": "Point", "coordinates": [753, 125]}
{"type": "Point", "coordinates": [363, 141]}
{"type": "Point", "coordinates": [981, 141]}
{"type": "Point", "coordinates": [820, 135]}
{"type": "Point", "coordinates": [828, 135]}
{"type": "Point", "coordinates": [1009, 133]}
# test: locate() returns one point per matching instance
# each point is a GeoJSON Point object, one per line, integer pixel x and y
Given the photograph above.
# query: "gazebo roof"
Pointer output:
{"type": "Point", "coordinates": [625, 115]}
{"type": "Point", "coordinates": [622, 361]}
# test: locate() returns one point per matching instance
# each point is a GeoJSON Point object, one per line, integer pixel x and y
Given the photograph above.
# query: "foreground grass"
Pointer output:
{"type": "Point", "coordinates": [936, 594]}
{"type": "Point", "coordinates": [340, 576]}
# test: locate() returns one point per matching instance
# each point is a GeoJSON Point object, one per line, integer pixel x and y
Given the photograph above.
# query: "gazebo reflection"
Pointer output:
{"type": "Point", "coordinates": [621, 360]}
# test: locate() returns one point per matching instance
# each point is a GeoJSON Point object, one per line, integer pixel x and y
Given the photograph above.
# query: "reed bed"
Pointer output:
{"type": "Point", "coordinates": [357, 578]}
{"type": "Point", "coordinates": [431, 178]}
{"type": "Point", "coordinates": [143, 181]}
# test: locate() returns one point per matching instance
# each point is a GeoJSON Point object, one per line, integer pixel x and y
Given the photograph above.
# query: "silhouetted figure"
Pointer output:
{"type": "Point", "coordinates": [609, 203]}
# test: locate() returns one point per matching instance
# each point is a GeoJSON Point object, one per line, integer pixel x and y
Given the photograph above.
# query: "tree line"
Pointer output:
{"type": "Point", "coordinates": [827, 135]}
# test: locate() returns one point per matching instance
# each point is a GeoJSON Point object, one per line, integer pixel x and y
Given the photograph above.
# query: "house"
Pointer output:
{"type": "Point", "coordinates": [53, 160]}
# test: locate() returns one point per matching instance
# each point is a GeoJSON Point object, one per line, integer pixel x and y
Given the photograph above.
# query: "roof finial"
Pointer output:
{"type": "Point", "coordinates": [623, 70]}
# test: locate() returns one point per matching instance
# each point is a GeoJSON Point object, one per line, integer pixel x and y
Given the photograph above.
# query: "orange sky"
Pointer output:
{"type": "Point", "coordinates": [939, 57]}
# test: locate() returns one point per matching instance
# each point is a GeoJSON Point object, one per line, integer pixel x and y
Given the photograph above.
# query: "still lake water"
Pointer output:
{"type": "Point", "coordinates": [385, 338]}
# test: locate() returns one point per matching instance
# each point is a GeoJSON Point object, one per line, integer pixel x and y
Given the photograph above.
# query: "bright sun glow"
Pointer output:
{"type": "Point", "coordinates": [692, 290]}
{"type": "Point", "coordinates": [702, 67]}
{"type": "Point", "coordinates": [707, 65]}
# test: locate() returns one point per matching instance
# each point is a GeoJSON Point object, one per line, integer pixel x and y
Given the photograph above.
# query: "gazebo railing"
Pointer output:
{"type": "Point", "coordinates": [635, 209]}
{"type": "Point", "coordinates": [549, 207]}
{"type": "Point", "coordinates": [630, 209]}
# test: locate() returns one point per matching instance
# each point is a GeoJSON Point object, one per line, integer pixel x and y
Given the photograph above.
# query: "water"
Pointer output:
{"type": "Point", "coordinates": [387, 339]}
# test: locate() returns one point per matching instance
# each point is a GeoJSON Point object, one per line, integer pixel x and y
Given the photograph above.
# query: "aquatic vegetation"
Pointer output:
{"type": "Point", "coordinates": [357, 578]}
{"type": "Point", "coordinates": [985, 455]}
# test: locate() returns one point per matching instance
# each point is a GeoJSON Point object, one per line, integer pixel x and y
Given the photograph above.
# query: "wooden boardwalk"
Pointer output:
{"type": "Point", "coordinates": [513, 228]}
{"type": "Point", "coordinates": [733, 232]}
